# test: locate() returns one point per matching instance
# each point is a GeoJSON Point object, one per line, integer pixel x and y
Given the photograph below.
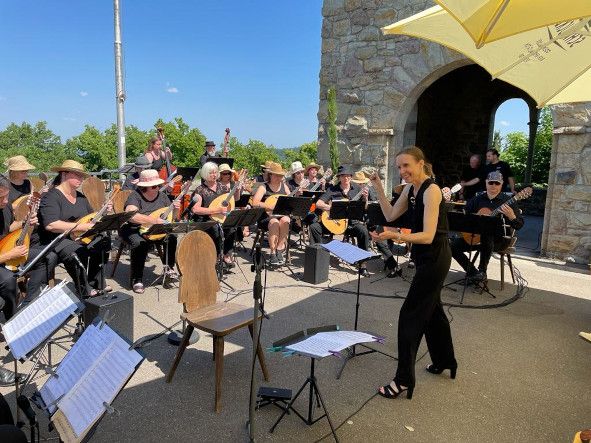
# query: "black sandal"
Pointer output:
{"type": "Point", "coordinates": [389, 392]}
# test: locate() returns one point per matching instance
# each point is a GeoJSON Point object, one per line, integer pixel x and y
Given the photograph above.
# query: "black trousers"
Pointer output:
{"type": "Point", "coordinates": [92, 257]}
{"type": "Point", "coordinates": [8, 292]}
{"type": "Point", "coordinates": [488, 244]}
{"type": "Point", "coordinates": [422, 314]}
{"type": "Point", "coordinates": [40, 273]}
{"type": "Point", "coordinates": [355, 229]}
{"type": "Point", "coordinates": [140, 247]}
{"type": "Point", "coordinates": [229, 237]}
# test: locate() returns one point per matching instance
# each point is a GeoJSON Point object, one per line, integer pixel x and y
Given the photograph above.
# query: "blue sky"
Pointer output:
{"type": "Point", "coordinates": [251, 65]}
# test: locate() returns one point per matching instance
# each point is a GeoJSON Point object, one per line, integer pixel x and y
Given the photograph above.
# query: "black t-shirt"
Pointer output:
{"type": "Point", "coordinates": [207, 196]}
{"type": "Point", "coordinates": [503, 168]}
{"type": "Point", "coordinates": [335, 192]}
{"type": "Point", "coordinates": [145, 206]}
{"type": "Point", "coordinates": [470, 173]}
{"type": "Point", "coordinates": [55, 206]}
{"type": "Point", "coordinates": [6, 219]}
{"type": "Point", "coordinates": [17, 191]}
{"type": "Point", "coordinates": [127, 184]}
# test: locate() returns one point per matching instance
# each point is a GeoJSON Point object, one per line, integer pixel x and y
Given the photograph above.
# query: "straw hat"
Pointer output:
{"type": "Point", "coordinates": [296, 167]}
{"type": "Point", "coordinates": [18, 163]}
{"type": "Point", "coordinates": [149, 177]}
{"type": "Point", "coordinates": [71, 166]}
{"type": "Point", "coordinates": [313, 165]}
{"type": "Point", "coordinates": [360, 177]}
{"type": "Point", "coordinates": [275, 168]}
{"type": "Point", "coordinates": [225, 167]}
{"type": "Point", "coordinates": [267, 164]}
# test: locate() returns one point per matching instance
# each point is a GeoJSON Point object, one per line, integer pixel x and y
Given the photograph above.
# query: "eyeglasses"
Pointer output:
{"type": "Point", "coordinates": [494, 183]}
{"type": "Point", "coordinates": [225, 173]}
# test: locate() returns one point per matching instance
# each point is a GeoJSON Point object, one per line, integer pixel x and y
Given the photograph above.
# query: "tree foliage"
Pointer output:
{"type": "Point", "coordinates": [251, 155]}
{"type": "Point", "coordinates": [306, 153]}
{"type": "Point", "coordinates": [515, 146]}
{"type": "Point", "coordinates": [333, 148]}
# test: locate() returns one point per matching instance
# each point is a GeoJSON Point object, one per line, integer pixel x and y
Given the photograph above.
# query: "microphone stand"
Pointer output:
{"type": "Point", "coordinates": [257, 293]}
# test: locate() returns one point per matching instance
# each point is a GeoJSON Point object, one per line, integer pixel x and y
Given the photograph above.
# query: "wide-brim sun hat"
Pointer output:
{"type": "Point", "coordinates": [18, 163]}
{"type": "Point", "coordinates": [225, 167]}
{"type": "Point", "coordinates": [296, 167]}
{"type": "Point", "coordinates": [275, 168]}
{"type": "Point", "coordinates": [360, 178]}
{"type": "Point", "coordinates": [71, 166]}
{"type": "Point", "coordinates": [313, 165]}
{"type": "Point", "coordinates": [149, 177]}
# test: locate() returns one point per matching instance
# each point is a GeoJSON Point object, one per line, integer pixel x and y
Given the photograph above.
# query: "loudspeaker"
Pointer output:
{"type": "Point", "coordinates": [316, 260]}
{"type": "Point", "coordinates": [118, 304]}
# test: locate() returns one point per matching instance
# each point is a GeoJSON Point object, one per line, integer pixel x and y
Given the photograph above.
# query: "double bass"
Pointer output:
{"type": "Point", "coordinates": [168, 169]}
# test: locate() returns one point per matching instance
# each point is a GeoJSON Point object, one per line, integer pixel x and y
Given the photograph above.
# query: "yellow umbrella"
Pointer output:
{"type": "Point", "coordinates": [490, 20]}
{"type": "Point", "coordinates": [551, 64]}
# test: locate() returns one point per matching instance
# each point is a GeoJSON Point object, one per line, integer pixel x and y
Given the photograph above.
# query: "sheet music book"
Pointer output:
{"type": "Point", "coordinates": [348, 252]}
{"type": "Point", "coordinates": [93, 372]}
{"type": "Point", "coordinates": [324, 344]}
{"type": "Point", "coordinates": [34, 324]}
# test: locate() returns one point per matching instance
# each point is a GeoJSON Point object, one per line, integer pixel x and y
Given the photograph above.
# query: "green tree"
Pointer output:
{"type": "Point", "coordinates": [306, 153]}
{"type": "Point", "coordinates": [497, 141]}
{"type": "Point", "coordinates": [251, 155]}
{"type": "Point", "coordinates": [333, 148]}
{"type": "Point", "coordinates": [515, 146]}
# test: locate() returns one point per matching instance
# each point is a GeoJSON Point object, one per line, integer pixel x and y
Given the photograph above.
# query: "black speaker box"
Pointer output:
{"type": "Point", "coordinates": [316, 261]}
{"type": "Point", "coordinates": [118, 304]}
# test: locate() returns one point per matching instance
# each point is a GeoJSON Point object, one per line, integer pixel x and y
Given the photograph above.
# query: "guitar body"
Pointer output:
{"type": "Point", "coordinates": [474, 239]}
{"type": "Point", "coordinates": [271, 201]}
{"type": "Point", "coordinates": [336, 227]}
{"type": "Point", "coordinates": [9, 242]}
{"type": "Point", "coordinates": [158, 214]}
{"type": "Point", "coordinates": [220, 201]}
{"type": "Point", "coordinates": [18, 201]}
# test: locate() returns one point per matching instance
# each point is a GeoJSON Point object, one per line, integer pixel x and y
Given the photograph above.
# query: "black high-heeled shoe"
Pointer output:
{"type": "Point", "coordinates": [435, 370]}
{"type": "Point", "coordinates": [389, 391]}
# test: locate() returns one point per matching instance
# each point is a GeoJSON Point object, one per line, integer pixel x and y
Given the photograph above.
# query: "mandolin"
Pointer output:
{"type": "Point", "coordinates": [165, 214]}
{"type": "Point", "coordinates": [339, 226]}
{"type": "Point", "coordinates": [227, 200]}
{"type": "Point", "coordinates": [271, 200]}
{"type": "Point", "coordinates": [94, 217]}
{"type": "Point", "coordinates": [21, 236]}
{"type": "Point", "coordinates": [474, 239]}
{"type": "Point", "coordinates": [325, 178]}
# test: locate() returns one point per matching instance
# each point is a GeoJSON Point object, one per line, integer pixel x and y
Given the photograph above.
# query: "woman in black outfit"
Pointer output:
{"type": "Point", "coordinates": [421, 312]}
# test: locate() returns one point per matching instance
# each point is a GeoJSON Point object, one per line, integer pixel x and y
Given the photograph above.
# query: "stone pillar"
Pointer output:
{"type": "Point", "coordinates": [567, 218]}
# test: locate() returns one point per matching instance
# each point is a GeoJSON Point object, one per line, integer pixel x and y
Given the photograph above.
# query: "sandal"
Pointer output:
{"type": "Point", "coordinates": [392, 392]}
{"type": "Point", "coordinates": [138, 288]}
{"type": "Point", "coordinates": [171, 274]}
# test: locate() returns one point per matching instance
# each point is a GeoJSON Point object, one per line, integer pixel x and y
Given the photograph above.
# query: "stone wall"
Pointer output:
{"type": "Point", "coordinates": [567, 227]}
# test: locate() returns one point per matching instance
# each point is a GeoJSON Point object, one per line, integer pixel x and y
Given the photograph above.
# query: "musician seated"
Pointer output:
{"type": "Point", "coordinates": [491, 199]}
{"type": "Point", "coordinates": [312, 174]}
{"type": "Point", "coordinates": [59, 210]}
{"type": "Point", "coordinates": [264, 176]}
{"type": "Point", "coordinates": [343, 189]}
{"type": "Point", "coordinates": [146, 199]}
{"type": "Point", "coordinates": [39, 274]}
{"type": "Point", "coordinates": [278, 226]}
{"type": "Point", "coordinates": [18, 172]}
{"type": "Point", "coordinates": [204, 195]}
{"type": "Point", "coordinates": [141, 163]}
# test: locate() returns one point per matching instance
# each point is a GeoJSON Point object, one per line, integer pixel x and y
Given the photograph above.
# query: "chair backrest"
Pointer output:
{"type": "Point", "coordinates": [119, 201]}
{"type": "Point", "coordinates": [94, 190]}
{"type": "Point", "coordinates": [196, 257]}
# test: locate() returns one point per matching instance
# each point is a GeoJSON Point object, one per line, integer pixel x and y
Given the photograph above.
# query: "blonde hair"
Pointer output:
{"type": "Point", "coordinates": [151, 143]}
{"type": "Point", "coordinates": [418, 154]}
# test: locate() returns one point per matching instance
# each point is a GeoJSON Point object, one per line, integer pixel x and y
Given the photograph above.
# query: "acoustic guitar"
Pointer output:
{"type": "Point", "coordinates": [227, 200]}
{"type": "Point", "coordinates": [339, 226]}
{"type": "Point", "coordinates": [94, 217]}
{"type": "Point", "coordinates": [474, 239]}
{"type": "Point", "coordinates": [20, 236]}
{"type": "Point", "coordinates": [164, 214]}
{"type": "Point", "coordinates": [271, 200]}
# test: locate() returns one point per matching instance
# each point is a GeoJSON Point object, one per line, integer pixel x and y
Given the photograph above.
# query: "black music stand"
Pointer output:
{"type": "Point", "coordinates": [297, 207]}
{"type": "Point", "coordinates": [243, 201]}
{"type": "Point", "coordinates": [315, 195]}
{"type": "Point", "coordinates": [473, 224]}
{"type": "Point", "coordinates": [354, 256]}
{"type": "Point", "coordinates": [347, 209]}
{"type": "Point", "coordinates": [221, 160]}
{"type": "Point", "coordinates": [314, 391]}
{"type": "Point", "coordinates": [186, 172]}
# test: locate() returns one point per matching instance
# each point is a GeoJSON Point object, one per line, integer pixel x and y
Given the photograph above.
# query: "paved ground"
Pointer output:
{"type": "Point", "coordinates": [523, 372]}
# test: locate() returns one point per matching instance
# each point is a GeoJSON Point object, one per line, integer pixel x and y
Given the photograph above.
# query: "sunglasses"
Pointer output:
{"type": "Point", "coordinates": [225, 173]}
{"type": "Point", "coordinates": [494, 183]}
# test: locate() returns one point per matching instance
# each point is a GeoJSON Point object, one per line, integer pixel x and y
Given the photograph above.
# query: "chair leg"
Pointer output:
{"type": "Point", "coordinates": [219, 370]}
{"type": "Point", "coordinates": [260, 354]}
{"type": "Point", "coordinates": [502, 271]}
{"type": "Point", "coordinates": [179, 353]}
{"type": "Point", "coordinates": [511, 267]}
{"type": "Point", "coordinates": [117, 257]}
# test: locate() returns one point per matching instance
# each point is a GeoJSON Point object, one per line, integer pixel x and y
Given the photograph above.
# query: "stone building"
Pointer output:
{"type": "Point", "coordinates": [396, 91]}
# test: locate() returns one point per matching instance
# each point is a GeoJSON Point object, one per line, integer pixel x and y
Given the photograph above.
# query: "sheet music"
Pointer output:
{"type": "Point", "coordinates": [93, 372]}
{"type": "Point", "coordinates": [324, 344]}
{"type": "Point", "coordinates": [348, 252]}
{"type": "Point", "coordinates": [39, 320]}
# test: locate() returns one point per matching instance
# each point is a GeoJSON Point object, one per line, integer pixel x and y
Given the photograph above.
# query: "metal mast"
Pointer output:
{"type": "Point", "coordinates": [119, 89]}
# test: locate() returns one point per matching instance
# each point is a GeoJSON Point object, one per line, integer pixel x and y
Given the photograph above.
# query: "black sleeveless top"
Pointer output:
{"type": "Point", "coordinates": [283, 189]}
{"type": "Point", "coordinates": [416, 211]}
{"type": "Point", "coordinates": [157, 163]}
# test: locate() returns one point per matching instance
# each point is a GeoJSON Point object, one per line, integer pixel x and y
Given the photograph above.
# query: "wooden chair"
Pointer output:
{"type": "Point", "coordinates": [196, 258]}
{"type": "Point", "coordinates": [506, 252]}
{"type": "Point", "coordinates": [94, 190]}
{"type": "Point", "coordinates": [118, 207]}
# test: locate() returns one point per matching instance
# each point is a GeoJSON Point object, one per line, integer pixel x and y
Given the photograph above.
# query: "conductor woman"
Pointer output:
{"type": "Point", "coordinates": [421, 312]}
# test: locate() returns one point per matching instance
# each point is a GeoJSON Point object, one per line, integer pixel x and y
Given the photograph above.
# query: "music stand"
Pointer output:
{"type": "Point", "coordinates": [347, 209]}
{"type": "Point", "coordinates": [354, 256]}
{"type": "Point", "coordinates": [315, 195]}
{"type": "Point", "coordinates": [186, 172]}
{"type": "Point", "coordinates": [473, 224]}
{"type": "Point", "coordinates": [221, 160]}
{"type": "Point", "coordinates": [126, 169]}
{"type": "Point", "coordinates": [243, 201]}
{"type": "Point", "coordinates": [314, 391]}
{"type": "Point", "coordinates": [375, 217]}
{"type": "Point", "coordinates": [292, 207]}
